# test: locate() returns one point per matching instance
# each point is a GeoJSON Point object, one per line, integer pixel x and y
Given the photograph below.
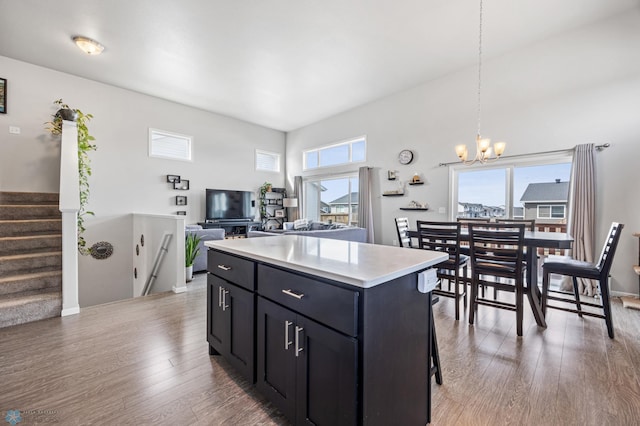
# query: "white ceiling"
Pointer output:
{"type": "Point", "coordinates": [279, 63]}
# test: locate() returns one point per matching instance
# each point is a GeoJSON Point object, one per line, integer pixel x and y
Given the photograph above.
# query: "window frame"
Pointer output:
{"type": "Point", "coordinates": [277, 155]}
{"type": "Point", "coordinates": [509, 165]}
{"type": "Point", "coordinates": [187, 138]}
{"type": "Point", "coordinates": [551, 216]}
{"type": "Point", "coordinates": [324, 177]}
{"type": "Point", "coordinates": [350, 142]}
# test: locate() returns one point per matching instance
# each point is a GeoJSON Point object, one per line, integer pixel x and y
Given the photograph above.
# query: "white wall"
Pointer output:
{"type": "Point", "coordinates": [579, 87]}
{"type": "Point", "coordinates": [125, 179]}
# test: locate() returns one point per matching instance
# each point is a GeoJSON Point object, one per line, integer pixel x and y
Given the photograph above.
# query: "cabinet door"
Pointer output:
{"type": "Point", "coordinates": [231, 324]}
{"type": "Point", "coordinates": [326, 376]}
{"type": "Point", "coordinates": [276, 357]}
{"type": "Point", "coordinates": [240, 316]}
{"type": "Point", "coordinates": [218, 323]}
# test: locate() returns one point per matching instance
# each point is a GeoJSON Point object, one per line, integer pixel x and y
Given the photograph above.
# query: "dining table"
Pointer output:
{"type": "Point", "coordinates": [532, 240]}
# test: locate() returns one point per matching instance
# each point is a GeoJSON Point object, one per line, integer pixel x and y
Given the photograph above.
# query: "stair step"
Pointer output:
{"type": "Point", "coordinates": [29, 211]}
{"type": "Point", "coordinates": [16, 264]}
{"type": "Point", "coordinates": [10, 228]}
{"type": "Point", "coordinates": [31, 282]}
{"type": "Point", "coordinates": [29, 197]}
{"type": "Point", "coordinates": [28, 306]}
{"type": "Point", "coordinates": [30, 244]}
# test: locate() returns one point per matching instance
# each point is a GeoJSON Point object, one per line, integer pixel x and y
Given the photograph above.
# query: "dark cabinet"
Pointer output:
{"type": "Point", "coordinates": [306, 369]}
{"type": "Point", "coordinates": [230, 324]}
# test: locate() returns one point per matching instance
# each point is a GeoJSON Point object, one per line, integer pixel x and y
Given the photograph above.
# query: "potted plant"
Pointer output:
{"type": "Point", "coordinates": [191, 251]}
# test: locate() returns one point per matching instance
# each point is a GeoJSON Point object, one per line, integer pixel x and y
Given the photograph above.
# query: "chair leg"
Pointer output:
{"type": "Point", "coordinates": [545, 290]}
{"type": "Point", "coordinates": [606, 305]}
{"type": "Point", "coordinates": [464, 285]}
{"type": "Point", "coordinates": [435, 354]}
{"type": "Point", "coordinates": [472, 300]}
{"type": "Point", "coordinates": [576, 293]}
{"type": "Point", "coordinates": [519, 310]}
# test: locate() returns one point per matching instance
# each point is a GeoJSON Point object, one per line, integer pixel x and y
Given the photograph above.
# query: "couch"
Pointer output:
{"type": "Point", "coordinates": [318, 230]}
{"type": "Point", "coordinates": [200, 263]}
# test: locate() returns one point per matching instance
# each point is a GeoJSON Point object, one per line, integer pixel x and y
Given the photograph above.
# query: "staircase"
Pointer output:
{"type": "Point", "coordinates": [30, 257]}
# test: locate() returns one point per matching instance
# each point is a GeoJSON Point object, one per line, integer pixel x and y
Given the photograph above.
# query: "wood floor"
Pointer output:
{"type": "Point", "coordinates": [145, 361]}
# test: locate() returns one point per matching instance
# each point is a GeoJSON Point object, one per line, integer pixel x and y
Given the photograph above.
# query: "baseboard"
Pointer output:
{"type": "Point", "coordinates": [180, 289]}
{"type": "Point", "coordinates": [622, 294]}
{"type": "Point", "coordinates": [70, 311]}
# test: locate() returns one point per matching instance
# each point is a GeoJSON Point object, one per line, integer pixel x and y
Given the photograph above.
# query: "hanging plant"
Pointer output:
{"type": "Point", "coordinates": [85, 144]}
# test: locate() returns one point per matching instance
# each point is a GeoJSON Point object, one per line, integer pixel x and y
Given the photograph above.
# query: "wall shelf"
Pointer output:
{"type": "Point", "coordinates": [393, 195]}
{"type": "Point", "coordinates": [416, 183]}
{"type": "Point", "coordinates": [414, 208]}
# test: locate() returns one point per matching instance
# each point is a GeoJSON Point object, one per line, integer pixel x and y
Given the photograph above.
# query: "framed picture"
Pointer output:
{"type": "Point", "coordinates": [181, 212]}
{"type": "Point", "coordinates": [182, 184]}
{"type": "Point", "coordinates": [279, 213]}
{"type": "Point", "coordinates": [3, 95]}
{"type": "Point", "coordinates": [173, 178]}
{"type": "Point", "coordinates": [391, 175]}
{"type": "Point", "coordinates": [181, 200]}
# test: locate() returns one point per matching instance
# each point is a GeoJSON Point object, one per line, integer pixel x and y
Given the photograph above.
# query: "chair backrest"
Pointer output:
{"type": "Point", "coordinates": [609, 249]}
{"type": "Point", "coordinates": [402, 226]}
{"type": "Point", "coordinates": [440, 236]}
{"type": "Point", "coordinates": [497, 249]}
{"type": "Point", "coordinates": [529, 224]}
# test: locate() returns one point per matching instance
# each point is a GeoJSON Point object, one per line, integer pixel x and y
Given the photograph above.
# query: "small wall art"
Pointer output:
{"type": "Point", "coordinates": [173, 178]}
{"type": "Point", "coordinates": [181, 212]}
{"type": "Point", "coordinates": [181, 200]}
{"type": "Point", "coordinates": [3, 95]}
{"type": "Point", "coordinates": [181, 184]}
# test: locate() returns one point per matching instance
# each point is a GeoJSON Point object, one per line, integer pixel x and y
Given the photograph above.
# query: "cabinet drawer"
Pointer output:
{"type": "Point", "coordinates": [328, 304]}
{"type": "Point", "coordinates": [231, 268]}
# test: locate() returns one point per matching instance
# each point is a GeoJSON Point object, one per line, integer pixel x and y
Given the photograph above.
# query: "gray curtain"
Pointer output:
{"type": "Point", "coordinates": [297, 189]}
{"type": "Point", "coordinates": [365, 209]}
{"type": "Point", "coordinates": [582, 222]}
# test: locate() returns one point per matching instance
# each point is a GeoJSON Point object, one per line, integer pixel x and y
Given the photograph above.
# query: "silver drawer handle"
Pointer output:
{"type": "Point", "coordinates": [224, 267]}
{"type": "Point", "coordinates": [289, 292]}
{"type": "Point", "coordinates": [298, 347]}
{"type": "Point", "coordinates": [287, 343]}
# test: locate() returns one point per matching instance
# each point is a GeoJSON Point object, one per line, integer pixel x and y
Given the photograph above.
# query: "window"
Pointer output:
{"type": "Point", "coordinates": [351, 151]}
{"type": "Point", "coordinates": [520, 190]}
{"type": "Point", "coordinates": [267, 161]}
{"type": "Point", "coordinates": [551, 212]}
{"type": "Point", "coordinates": [169, 145]}
{"type": "Point", "coordinates": [332, 199]}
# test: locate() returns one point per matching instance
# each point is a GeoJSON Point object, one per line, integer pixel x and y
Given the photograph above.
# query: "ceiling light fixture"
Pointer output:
{"type": "Point", "coordinates": [483, 145]}
{"type": "Point", "coordinates": [88, 46]}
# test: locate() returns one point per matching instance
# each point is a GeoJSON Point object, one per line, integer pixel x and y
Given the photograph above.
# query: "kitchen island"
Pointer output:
{"type": "Point", "coordinates": [331, 332]}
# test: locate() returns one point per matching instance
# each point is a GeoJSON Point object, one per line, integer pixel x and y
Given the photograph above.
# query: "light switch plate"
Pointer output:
{"type": "Point", "coordinates": [14, 130]}
{"type": "Point", "coordinates": [442, 210]}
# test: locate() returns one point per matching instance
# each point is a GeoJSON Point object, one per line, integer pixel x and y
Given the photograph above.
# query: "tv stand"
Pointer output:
{"type": "Point", "coordinates": [232, 228]}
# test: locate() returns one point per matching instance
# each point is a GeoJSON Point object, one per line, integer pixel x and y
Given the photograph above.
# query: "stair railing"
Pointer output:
{"type": "Point", "coordinates": [69, 207]}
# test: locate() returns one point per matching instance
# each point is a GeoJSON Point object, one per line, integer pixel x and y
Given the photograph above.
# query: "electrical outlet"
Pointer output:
{"type": "Point", "coordinates": [14, 130]}
{"type": "Point", "coordinates": [395, 242]}
{"type": "Point", "coordinates": [442, 210]}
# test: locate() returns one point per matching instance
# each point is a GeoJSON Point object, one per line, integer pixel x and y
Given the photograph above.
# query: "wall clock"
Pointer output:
{"type": "Point", "coordinates": [405, 156]}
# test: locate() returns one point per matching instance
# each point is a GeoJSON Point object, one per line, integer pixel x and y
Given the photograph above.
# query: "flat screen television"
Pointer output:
{"type": "Point", "coordinates": [224, 204]}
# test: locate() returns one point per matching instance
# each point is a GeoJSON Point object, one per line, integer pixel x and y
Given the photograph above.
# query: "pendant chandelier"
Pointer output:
{"type": "Point", "coordinates": [484, 150]}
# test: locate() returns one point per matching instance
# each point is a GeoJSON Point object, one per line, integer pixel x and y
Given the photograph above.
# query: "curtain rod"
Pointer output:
{"type": "Point", "coordinates": [558, 151]}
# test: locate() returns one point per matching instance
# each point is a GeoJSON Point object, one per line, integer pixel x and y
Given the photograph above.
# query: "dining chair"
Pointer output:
{"type": "Point", "coordinates": [529, 224]}
{"type": "Point", "coordinates": [497, 254]}
{"type": "Point", "coordinates": [445, 236]}
{"type": "Point", "coordinates": [575, 269]}
{"type": "Point", "coordinates": [402, 227]}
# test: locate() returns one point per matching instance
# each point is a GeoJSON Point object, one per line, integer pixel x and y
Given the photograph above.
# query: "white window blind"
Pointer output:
{"type": "Point", "coordinates": [173, 146]}
{"type": "Point", "coordinates": [267, 161]}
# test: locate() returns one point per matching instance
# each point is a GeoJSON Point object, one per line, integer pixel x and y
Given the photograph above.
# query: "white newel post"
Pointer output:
{"type": "Point", "coordinates": [69, 207]}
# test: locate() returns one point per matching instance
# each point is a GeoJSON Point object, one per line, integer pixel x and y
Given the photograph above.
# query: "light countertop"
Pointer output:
{"type": "Point", "coordinates": [358, 264]}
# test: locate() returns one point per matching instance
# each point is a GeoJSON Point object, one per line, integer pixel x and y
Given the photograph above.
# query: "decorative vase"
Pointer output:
{"type": "Point", "coordinates": [189, 272]}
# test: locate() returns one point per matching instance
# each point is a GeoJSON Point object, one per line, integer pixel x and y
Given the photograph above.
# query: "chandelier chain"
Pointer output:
{"type": "Point", "coordinates": [480, 69]}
